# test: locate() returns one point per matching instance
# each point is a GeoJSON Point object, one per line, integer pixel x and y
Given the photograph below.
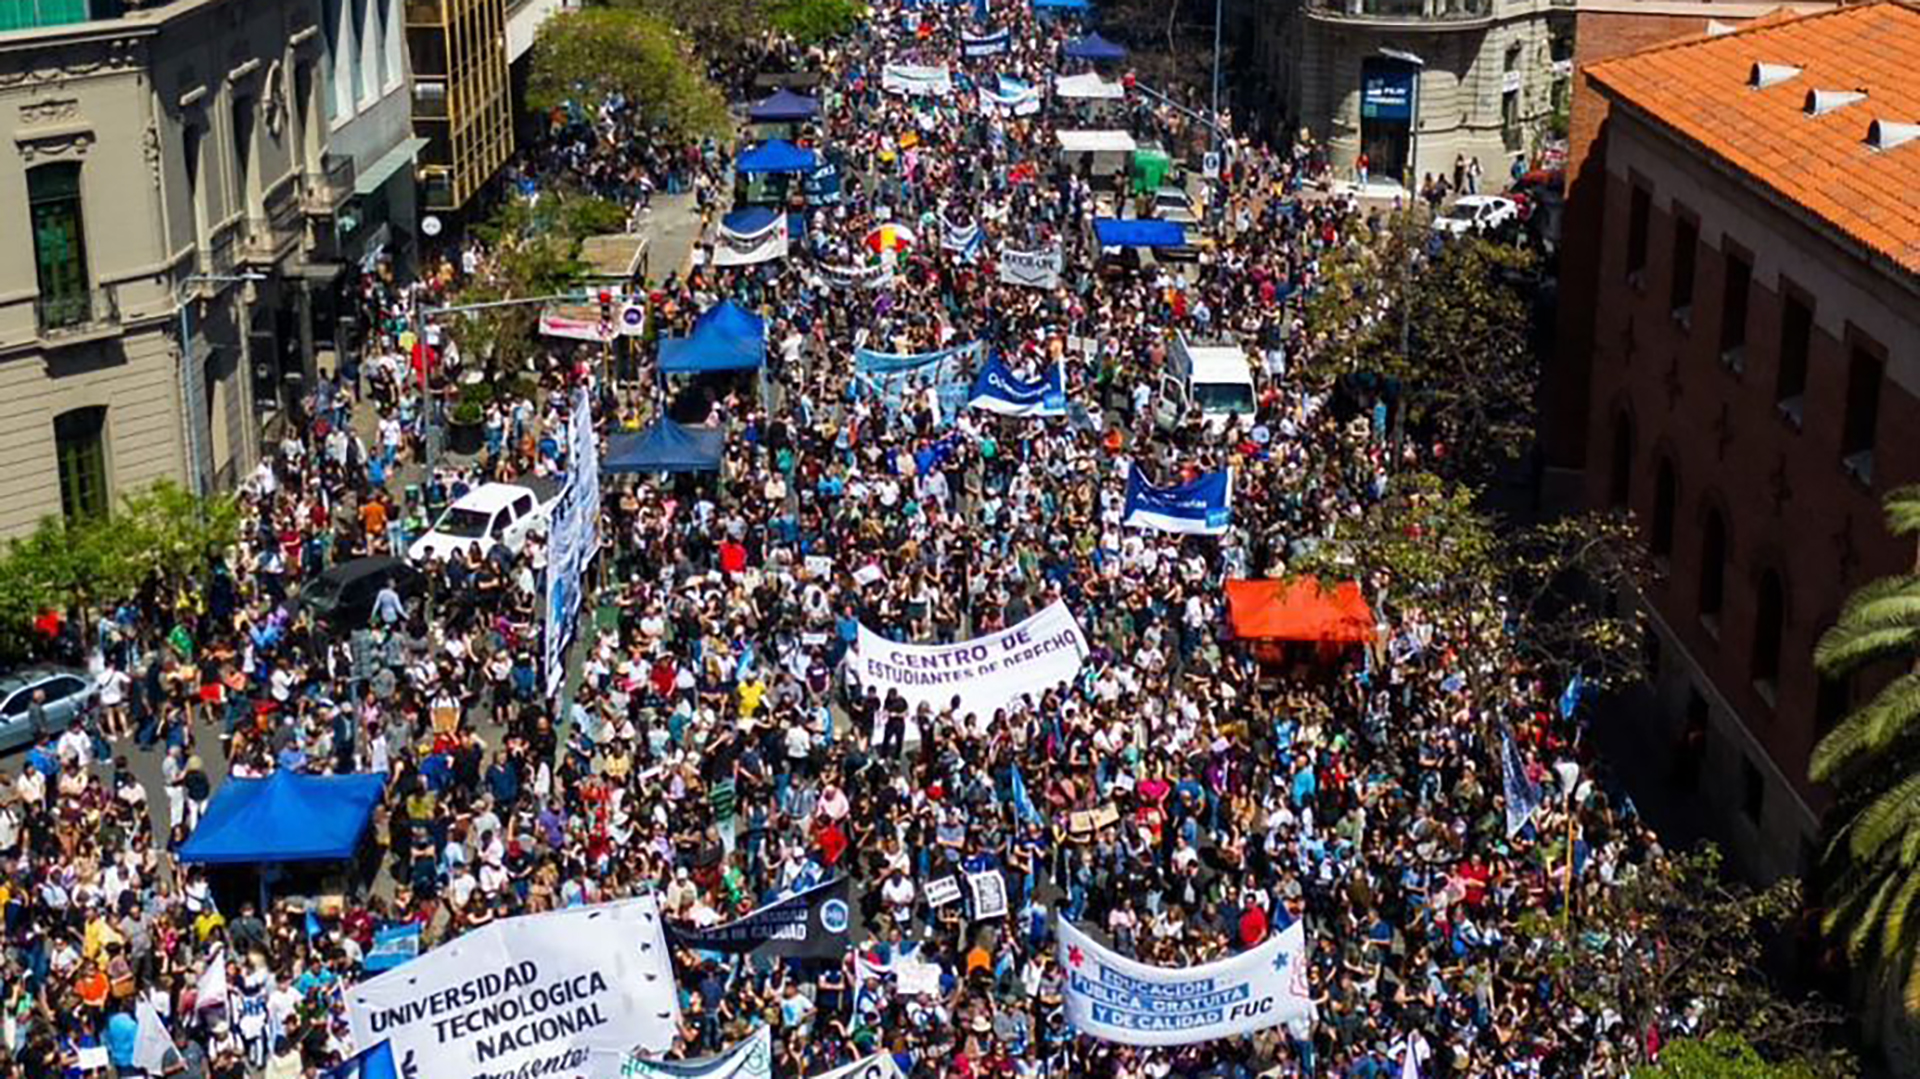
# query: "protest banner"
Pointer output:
{"type": "Point", "coordinates": [899, 377]}
{"type": "Point", "coordinates": [822, 185]}
{"type": "Point", "coordinates": [756, 234]}
{"type": "Point", "coordinates": [392, 946]}
{"type": "Point", "coordinates": [877, 1066]}
{"type": "Point", "coordinates": [748, 1059]}
{"type": "Point", "coordinates": [940, 891]}
{"type": "Point", "coordinates": [573, 538]}
{"type": "Point", "coordinates": [1203, 507]}
{"type": "Point", "coordinates": [811, 923]}
{"type": "Point", "coordinates": [997, 389]}
{"type": "Point", "coordinates": [572, 992]}
{"type": "Point", "coordinates": [1120, 1000]}
{"type": "Point", "coordinates": [1032, 269]}
{"type": "Point", "coordinates": [1523, 795]}
{"type": "Point", "coordinates": [916, 80]}
{"type": "Point", "coordinates": [962, 239]}
{"type": "Point", "coordinates": [988, 894]}
{"type": "Point", "coordinates": [1011, 96]}
{"type": "Point", "coordinates": [869, 276]}
{"type": "Point", "coordinates": [989, 44]}
{"type": "Point", "coordinates": [986, 673]}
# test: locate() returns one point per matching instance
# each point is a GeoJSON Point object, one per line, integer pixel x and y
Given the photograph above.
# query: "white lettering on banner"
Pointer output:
{"type": "Point", "coordinates": [1032, 269]}
{"type": "Point", "coordinates": [986, 673]}
{"type": "Point", "coordinates": [1118, 999]}
{"type": "Point", "coordinates": [569, 992]}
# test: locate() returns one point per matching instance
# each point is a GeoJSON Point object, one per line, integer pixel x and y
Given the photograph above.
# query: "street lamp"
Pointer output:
{"type": "Point", "coordinates": [190, 390]}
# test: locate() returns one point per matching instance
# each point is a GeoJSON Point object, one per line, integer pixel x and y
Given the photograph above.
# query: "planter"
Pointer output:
{"type": "Point", "coordinates": [466, 439]}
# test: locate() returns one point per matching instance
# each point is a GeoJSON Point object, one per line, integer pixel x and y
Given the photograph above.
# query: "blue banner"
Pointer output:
{"type": "Point", "coordinates": [392, 946]}
{"type": "Point", "coordinates": [1201, 508]}
{"type": "Point", "coordinates": [988, 44]}
{"type": "Point", "coordinates": [997, 389]}
{"type": "Point", "coordinates": [897, 377]}
{"type": "Point", "coordinates": [823, 184]}
{"type": "Point", "coordinates": [1386, 89]}
{"type": "Point", "coordinates": [962, 239]}
{"type": "Point", "coordinates": [1522, 793]}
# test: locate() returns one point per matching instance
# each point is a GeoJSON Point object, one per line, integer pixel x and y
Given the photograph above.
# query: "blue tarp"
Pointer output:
{"type": "Point", "coordinates": [286, 817]}
{"type": "Point", "coordinates": [726, 337]}
{"type": "Point", "coordinates": [776, 155]}
{"type": "Point", "coordinates": [783, 107]}
{"type": "Point", "coordinates": [1095, 47]}
{"type": "Point", "coordinates": [666, 447]}
{"type": "Point", "coordinates": [1138, 232]}
{"type": "Point", "coordinates": [1062, 5]}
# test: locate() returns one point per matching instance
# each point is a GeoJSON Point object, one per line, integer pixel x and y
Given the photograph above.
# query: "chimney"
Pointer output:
{"type": "Point", "coordinates": [1885, 134]}
{"type": "Point", "coordinates": [1765, 75]}
{"type": "Point", "coordinates": [1821, 102]}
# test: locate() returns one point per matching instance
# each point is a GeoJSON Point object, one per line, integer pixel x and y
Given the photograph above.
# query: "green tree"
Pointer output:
{"type": "Point", "coordinates": [1720, 1055]}
{"type": "Point", "coordinates": [1453, 327]}
{"type": "Point", "coordinates": [589, 55]}
{"type": "Point", "coordinates": [1872, 759]}
{"type": "Point", "coordinates": [809, 21]}
{"type": "Point", "coordinates": [174, 534]}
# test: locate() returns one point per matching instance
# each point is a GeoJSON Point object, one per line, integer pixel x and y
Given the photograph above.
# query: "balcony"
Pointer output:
{"type": "Point", "coordinates": [1403, 12]}
{"type": "Point", "coordinates": [324, 192]}
{"type": "Point", "coordinates": [73, 317]}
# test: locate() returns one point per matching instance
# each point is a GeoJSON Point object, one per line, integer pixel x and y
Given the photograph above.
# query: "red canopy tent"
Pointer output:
{"type": "Point", "coordinates": [1301, 609]}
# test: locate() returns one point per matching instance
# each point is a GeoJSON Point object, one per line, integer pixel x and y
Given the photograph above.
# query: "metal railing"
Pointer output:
{"type": "Point", "coordinates": [1404, 10]}
{"type": "Point", "coordinates": [80, 311]}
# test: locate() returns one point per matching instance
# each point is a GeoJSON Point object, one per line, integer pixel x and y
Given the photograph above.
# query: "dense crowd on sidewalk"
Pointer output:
{"type": "Point", "coordinates": [712, 754]}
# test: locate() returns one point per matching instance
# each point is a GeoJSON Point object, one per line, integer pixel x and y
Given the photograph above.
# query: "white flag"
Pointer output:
{"type": "Point", "coordinates": [151, 1042]}
{"type": "Point", "coordinates": [211, 990]}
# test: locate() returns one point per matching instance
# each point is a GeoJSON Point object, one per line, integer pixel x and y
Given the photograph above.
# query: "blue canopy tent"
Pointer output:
{"type": "Point", "coordinates": [665, 447]}
{"type": "Point", "coordinates": [286, 817]}
{"type": "Point", "coordinates": [784, 107]}
{"type": "Point", "coordinates": [1138, 232]}
{"type": "Point", "coordinates": [1095, 47]}
{"type": "Point", "coordinates": [726, 337]}
{"type": "Point", "coordinates": [776, 155]}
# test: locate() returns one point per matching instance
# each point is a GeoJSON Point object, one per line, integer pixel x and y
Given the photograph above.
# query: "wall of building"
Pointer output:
{"type": "Point", "coordinates": [1661, 391]}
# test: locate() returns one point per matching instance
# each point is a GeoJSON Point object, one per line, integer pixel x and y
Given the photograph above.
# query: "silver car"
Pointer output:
{"type": "Point", "coordinates": [71, 694]}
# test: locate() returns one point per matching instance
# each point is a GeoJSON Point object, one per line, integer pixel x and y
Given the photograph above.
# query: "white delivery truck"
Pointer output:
{"type": "Point", "coordinates": [1211, 383]}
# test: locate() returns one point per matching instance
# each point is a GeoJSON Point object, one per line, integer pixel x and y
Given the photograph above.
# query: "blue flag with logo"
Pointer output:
{"type": "Point", "coordinates": [373, 1062]}
{"type": "Point", "coordinates": [807, 924]}
{"type": "Point", "coordinates": [1523, 794]}
{"type": "Point", "coordinates": [393, 946]}
{"type": "Point", "coordinates": [997, 389]}
{"type": "Point", "coordinates": [1203, 507]}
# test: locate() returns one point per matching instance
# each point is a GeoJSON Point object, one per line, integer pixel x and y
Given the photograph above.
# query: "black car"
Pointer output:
{"type": "Point", "coordinates": [343, 596]}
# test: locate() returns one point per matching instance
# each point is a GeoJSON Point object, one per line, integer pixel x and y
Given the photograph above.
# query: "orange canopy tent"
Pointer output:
{"type": "Point", "coordinates": [1301, 609]}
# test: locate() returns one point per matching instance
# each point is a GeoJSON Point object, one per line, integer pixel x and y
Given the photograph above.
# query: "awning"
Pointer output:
{"type": "Point", "coordinates": [615, 255]}
{"type": "Point", "coordinates": [776, 155]}
{"type": "Point", "coordinates": [1095, 47]}
{"type": "Point", "coordinates": [1096, 142]}
{"type": "Point", "coordinates": [783, 107]}
{"type": "Point", "coordinates": [665, 447]}
{"type": "Point", "coordinates": [286, 817]}
{"type": "Point", "coordinates": [1087, 86]}
{"type": "Point", "coordinates": [370, 179]}
{"type": "Point", "coordinates": [1301, 609]}
{"type": "Point", "coordinates": [1138, 232]}
{"type": "Point", "coordinates": [726, 337]}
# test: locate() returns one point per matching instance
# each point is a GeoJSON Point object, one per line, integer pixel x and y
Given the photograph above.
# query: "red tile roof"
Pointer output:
{"type": "Point", "coordinates": [1699, 88]}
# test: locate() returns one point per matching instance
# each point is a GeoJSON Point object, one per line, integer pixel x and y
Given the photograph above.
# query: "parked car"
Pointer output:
{"type": "Point", "coordinates": [70, 695]}
{"type": "Point", "coordinates": [342, 597]}
{"type": "Point", "coordinates": [493, 513]}
{"type": "Point", "coordinates": [1476, 213]}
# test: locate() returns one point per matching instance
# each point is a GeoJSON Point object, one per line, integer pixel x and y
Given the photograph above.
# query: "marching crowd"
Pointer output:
{"type": "Point", "coordinates": [1179, 798]}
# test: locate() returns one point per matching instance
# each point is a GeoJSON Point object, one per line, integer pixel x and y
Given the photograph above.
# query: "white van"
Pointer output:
{"type": "Point", "coordinates": [1213, 381]}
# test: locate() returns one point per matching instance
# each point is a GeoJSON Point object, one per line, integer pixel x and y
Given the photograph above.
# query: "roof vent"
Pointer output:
{"type": "Point", "coordinates": [1885, 134]}
{"type": "Point", "coordinates": [1765, 75]}
{"type": "Point", "coordinates": [1716, 28]}
{"type": "Point", "coordinates": [1821, 102]}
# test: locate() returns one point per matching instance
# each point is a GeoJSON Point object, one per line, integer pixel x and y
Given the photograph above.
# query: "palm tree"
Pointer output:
{"type": "Point", "coordinates": [1875, 750]}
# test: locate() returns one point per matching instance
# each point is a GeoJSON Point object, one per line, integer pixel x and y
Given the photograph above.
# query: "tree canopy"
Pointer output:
{"type": "Point", "coordinates": [593, 54]}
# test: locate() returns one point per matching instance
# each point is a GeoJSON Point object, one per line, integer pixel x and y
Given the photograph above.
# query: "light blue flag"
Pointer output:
{"type": "Point", "coordinates": [393, 946]}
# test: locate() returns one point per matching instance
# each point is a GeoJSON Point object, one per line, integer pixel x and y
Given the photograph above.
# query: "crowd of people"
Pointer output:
{"type": "Point", "coordinates": [1180, 798]}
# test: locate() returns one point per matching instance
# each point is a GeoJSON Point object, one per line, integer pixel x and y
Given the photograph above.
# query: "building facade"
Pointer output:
{"type": "Point", "coordinates": [462, 101]}
{"type": "Point", "coordinates": [1755, 363]}
{"type": "Point", "coordinates": [174, 170]}
{"type": "Point", "coordinates": [1418, 84]}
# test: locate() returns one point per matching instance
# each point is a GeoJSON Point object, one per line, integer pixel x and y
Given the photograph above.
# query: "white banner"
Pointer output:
{"type": "Point", "coordinates": [916, 80]}
{"type": "Point", "coordinates": [751, 1058]}
{"type": "Point", "coordinates": [573, 992]}
{"type": "Point", "coordinates": [1120, 1000]}
{"type": "Point", "coordinates": [941, 891]}
{"type": "Point", "coordinates": [986, 673]}
{"type": "Point", "coordinates": [855, 276]}
{"type": "Point", "coordinates": [877, 1066]}
{"type": "Point", "coordinates": [1034, 269]}
{"type": "Point", "coordinates": [765, 244]}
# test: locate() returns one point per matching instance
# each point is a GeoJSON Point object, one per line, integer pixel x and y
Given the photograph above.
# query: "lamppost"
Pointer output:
{"type": "Point", "coordinates": [190, 389]}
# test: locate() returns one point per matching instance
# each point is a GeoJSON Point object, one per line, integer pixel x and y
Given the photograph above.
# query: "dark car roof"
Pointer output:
{"type": "Point", "coordinates": [360, 567]}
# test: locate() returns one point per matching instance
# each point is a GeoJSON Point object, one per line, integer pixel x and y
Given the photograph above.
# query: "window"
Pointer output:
{"type": "Point", "coordinates": [1831, 700]}
{"type": "Point", "coordinates": [1666, 491]}
{"type": "Point", "coordinates": [1620, 482]}
{"type": "Point", "coordinates": [1753, 790]}
{"type": "Point", "coordinates": [1733, 308]}
{"type": "Point", "coordinates": [243, 153]}
{"type": "Point", "coordinates": [1769, 625]}
{"type": "Point", "coordinates": [1796, 342]}
{"type": "Point", "coordinates": [59, 243]}
{"type": "Point", "coordinates": [79, 439]}
{"type": "Point", "coordinates": [1686, 245]}
{"type": "Point", "coordinates": [1510, 120]}
{"type": "Point", "coordinates": [190, 138]}
{"type": "Point", "coordinates": [1713, 567]}
{"type": "Point", "coordinates": [1639, 210]}
{"type": "Point", "coordinates": [1863, 413]}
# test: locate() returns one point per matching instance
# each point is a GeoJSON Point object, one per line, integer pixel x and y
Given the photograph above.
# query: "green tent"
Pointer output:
{"type": "Point", "coordinates": [1150, 168]}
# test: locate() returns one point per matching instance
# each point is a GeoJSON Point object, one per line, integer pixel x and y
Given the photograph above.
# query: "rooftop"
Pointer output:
{"type": "Point", "coordinates": [1792, 102]}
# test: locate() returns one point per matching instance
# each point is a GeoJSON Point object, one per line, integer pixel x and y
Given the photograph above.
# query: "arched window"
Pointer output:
{"type": "Point", "coordinates": [1769, 624]}
{"type": "Point", "coordinates": [1620, 482]}
{"type": "Point", "coordinates": [1666, 491]}
{"type": "Point", "coordinates": [1713, 564]}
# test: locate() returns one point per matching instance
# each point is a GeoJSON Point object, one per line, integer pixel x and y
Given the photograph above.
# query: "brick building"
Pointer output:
{"type": "Point", "coordinates": [1755, 363]}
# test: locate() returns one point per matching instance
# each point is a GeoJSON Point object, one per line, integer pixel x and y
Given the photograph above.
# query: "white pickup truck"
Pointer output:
{"type": "Point", "coordinates": [493, 513]}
